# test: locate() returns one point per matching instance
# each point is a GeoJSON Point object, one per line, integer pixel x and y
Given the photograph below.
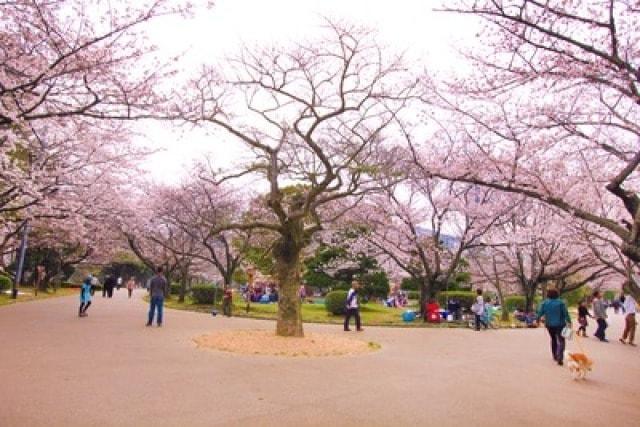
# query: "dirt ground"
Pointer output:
{"type": "Point", "coordinates": [261, 342]}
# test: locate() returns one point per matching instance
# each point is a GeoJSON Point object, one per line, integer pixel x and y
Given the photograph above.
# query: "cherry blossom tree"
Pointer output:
{"type": "Point", "coordinates": [426, 227]}
{"type": "Point", "coordinates": [551, 110]}
{"type": "Point", "coordinates": [68, 79]}
{"type": "Point", "coordinates": [538, 246]}
{"type": "Point", "coordinates": [197, 208]}
{"type": "Point", "coordinates": [315, 116]}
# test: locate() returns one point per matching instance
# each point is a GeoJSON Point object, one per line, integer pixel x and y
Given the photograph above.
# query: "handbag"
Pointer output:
{"type": "Point", "coordinates": [567, 333]}
{"type": "Point", "coordinates": [475, 307]}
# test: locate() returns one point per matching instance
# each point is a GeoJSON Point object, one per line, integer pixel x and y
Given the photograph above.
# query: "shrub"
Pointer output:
{"type": "Point", "coordinates": [374, 285]}
{"type": "Point", "coordinates": [514, 301]}
{"type": "Point", "coordinates": [339, 285]}
{"type": "Point", "coordinates": [205, 294]}
{"type": "Point", "coordinates": [413, 295]}
{"type": "Point", "coordinates": [466, 298]}
{"type": "Point", "coordinates": [517, 301]}
{"type": "Point", "coordinates": [574, 297]}
{"type": "Point", "coordinates": [174, 288]}
{"type": "Point", "coordinates": [335, 302]}
{"type": "Point", "coordinates": [410, 284]}
{"type": "Point", "coordinates": [5, 283]}
{"type": "Point", "coordinates": [609, 295]}
{"type": "Point", "coordinates": [69, 285]}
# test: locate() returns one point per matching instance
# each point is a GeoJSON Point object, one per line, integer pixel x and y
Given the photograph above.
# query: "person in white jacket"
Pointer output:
{"type": "Point", "coordinates": [353, 307]}
{"type": "Point", "coordinates": [629, 307]}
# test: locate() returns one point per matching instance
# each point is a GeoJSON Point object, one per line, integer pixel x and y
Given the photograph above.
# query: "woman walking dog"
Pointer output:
{"type": "Point", "coordinates": [556, 317]}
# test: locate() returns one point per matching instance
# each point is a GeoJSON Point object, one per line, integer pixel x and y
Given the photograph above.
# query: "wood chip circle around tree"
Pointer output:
{"type": "Point", "coordinates": [267, 343]}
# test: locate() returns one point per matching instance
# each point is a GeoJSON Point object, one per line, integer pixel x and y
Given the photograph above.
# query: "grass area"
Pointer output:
{"type": "Point", "coordinates": [372, 314]}
{"type": "Point", "coordinates": [27, 295]}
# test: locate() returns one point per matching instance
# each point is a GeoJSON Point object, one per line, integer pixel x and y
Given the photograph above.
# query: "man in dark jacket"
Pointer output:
{"type": "Point", "coordinates": [158, 290]}
{"type": "Point", "coordinates": [109, 284]}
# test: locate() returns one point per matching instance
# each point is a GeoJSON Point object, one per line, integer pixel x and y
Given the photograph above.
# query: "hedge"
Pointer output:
{"type": "Point", "coordinates": [70, 285]}
{"type": "Point", "coordinates": [465, 298]}
{"type": "Point", "coordinates": [574, 297]}
{"type": "Point", "coordinates": [413, 295]}
{"type": "Point", "coordinates": [5, 283]}
{"type": "Point", "coordinates": [174, 288]}
{"type": "Point", "coordinates": [517, 301]}
{"type": "Point", "coordinates": [205, 294]}
{"type": "Point", "coordinates": [335, 302]}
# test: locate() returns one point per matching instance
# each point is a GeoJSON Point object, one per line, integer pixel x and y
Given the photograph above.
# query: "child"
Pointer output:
{"type": "Point", "coordinates": [488, 313]}
{"type": "Point", "coordinates": [85, 297]}
{"type": "Point", "coordinates": [583, 312]}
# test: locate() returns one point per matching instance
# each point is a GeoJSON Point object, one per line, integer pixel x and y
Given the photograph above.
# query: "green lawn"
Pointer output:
{"type": "Point", "coordinates": [372, 314]}
{"type": "Point", "coordinates": [27, 295]}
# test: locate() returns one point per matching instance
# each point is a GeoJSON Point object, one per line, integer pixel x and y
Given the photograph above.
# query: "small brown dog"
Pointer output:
{"type": "Point", "coordinates": [579, 364]}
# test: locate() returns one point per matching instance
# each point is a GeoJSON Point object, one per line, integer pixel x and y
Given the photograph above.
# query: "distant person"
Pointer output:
{"type": "Point", "coordinates": [489, 313]}
{"type": "Point", "coordinates": [432, 311]}
{"type": "Point", "coordinates": [302, 293]}
{"type": "Point", "coordinates": [131, 284]}
{"type": "Point", "coordinates": [353, 307]}
{"type": "Point", "coordinates": [600, 313]}
{"type": "Point", "coordinates": [478, 310]}
{"type": "Point", "coordinates": [227, 301]}
{"type": "Point", "coordinates": [556, 317]}
{"type": "Point", "coordinates": [158, 290]}
{"type": "Point", "coordinates": [85, 297]}
{"type": "Point", "coordinates": [109, 284]}
{"type": "Point", "coordinates": [119, 283]}
{"type": "Point", "coordinates": [583, 313]}
{"type": "Point", "coordinates": [629, 307]}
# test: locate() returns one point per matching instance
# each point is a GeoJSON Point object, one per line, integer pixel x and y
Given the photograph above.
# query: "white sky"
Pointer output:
{"type": "Point", "coordinates": [429, 39]}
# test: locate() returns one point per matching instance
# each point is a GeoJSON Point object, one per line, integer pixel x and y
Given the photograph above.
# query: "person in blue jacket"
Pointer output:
{"type": "Point", "coordinates": [556, 317]}
{"type": "Point", "coordinates": [85, 297]}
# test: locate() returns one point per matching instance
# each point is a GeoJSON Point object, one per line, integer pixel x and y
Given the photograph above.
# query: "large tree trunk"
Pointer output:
{"type": "Point", "coordinates": [184, 277]}
{"type": "Point", "coordinates": [529, 296]}
{"type": "Point", "coordinates": [428, 288]}
{"type": "Point", "coordinates": [287, 271]}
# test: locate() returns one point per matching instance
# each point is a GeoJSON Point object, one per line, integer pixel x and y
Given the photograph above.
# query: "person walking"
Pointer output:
{"type": "Point", "coordinates": [353, 308]}
{"type": "Point", "coordinates": [85, 297]}
{"type": "Point", "coordinates": [556, 317]}
{"type": "Point", "coordinates": [478, 310]}
{"type": "Point", "coordinates": [109, 284]}
{"type": "Point", "coordinates": [600, 313]}
{"type": "Point", "coordinates": [158, 290]}
{"type": "Point", "coordinates": [629, 307]}
{"type": "Point", "coordinates": [583, 313]}
{"type": "Point", "coordinates": [131, 284]}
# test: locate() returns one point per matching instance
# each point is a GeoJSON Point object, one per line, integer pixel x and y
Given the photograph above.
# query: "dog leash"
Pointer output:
{"type": "Point", "coordinates": [578, 338]}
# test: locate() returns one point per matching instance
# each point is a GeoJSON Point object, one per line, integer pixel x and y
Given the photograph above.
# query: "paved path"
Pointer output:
{"type": "Point", "coordinates": [109, 370]}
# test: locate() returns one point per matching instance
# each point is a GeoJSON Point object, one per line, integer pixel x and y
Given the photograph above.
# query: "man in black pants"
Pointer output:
{"type": "Point", "coordinates": [353, 308]}
{"type": "Point", "coordinates": [109, 284]}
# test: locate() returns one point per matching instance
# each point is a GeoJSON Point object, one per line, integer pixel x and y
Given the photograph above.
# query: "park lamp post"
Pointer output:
{"type": "Point", "coordinates": [21, 254]}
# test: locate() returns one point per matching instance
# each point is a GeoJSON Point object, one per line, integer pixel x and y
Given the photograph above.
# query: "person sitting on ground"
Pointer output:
{"type": "Point", "coordinates": [519, 315]}
{"type": "Point", "coordinates": [432, 311]}
{"type": "Point", "coordinates": [401, 300]}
